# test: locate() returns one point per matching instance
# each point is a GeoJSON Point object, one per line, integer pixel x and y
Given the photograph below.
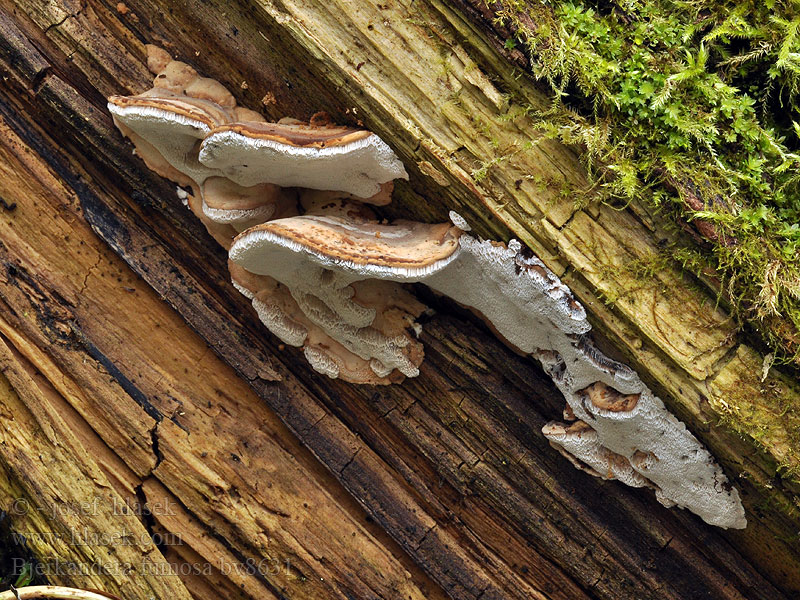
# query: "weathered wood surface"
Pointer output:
{"type": "Point", "coordinates": [151, 403]}
{"type": "Point", "coordinates": [441, 486]}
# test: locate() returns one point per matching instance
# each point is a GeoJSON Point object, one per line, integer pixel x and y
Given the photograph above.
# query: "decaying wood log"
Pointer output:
{"type": "Point", "coordinates": [134, 375]}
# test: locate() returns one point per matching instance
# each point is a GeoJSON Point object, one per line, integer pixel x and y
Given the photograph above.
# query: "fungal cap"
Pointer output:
{"type": "Point", "coordinates": [608, 399]}
{"type": "Point", "coordinates": [225, 202]}
{"type": "Point", "coordinates": [299, 135]}
{"type": "Point", "coordinates": [280, 313]}
{"type": "Point", "coordinates": [580, 444]}
{"type": "Point", "coordinates": [201, 114]}
{"type": "Point", "coordinates": [405, 251]}
{"type": "Point", "coordinates": [295, 155]}
{"type": "Point", "coordinates": [166, 132]}
{"type": "Point", "coordinates": [459, 221]}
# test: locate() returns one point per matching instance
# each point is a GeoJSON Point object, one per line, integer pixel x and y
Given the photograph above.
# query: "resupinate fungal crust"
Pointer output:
{"type": "Point", "coordinates": [291, 201]}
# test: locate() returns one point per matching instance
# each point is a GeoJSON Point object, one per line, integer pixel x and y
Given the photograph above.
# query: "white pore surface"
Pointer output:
{"type": "Point", "coordinates": [241, 219]}
{"type": "Point", "coordinates": [586, 446]}
{"type": "Point", "coordinates": [533, 313]}
{"type": "Point", "coordinates": [273, 316]}
{"type": "Point", "coordinates": [250, 251]}
{"type": "Point", "coordinates": [326, 301]}
{"type": "Point", "coordinates": [684, 471]}
{"type": "Point", "coordinates": [536, 313]}
{"type": "Point", "coordinates": [174, 136]}
{"type": "Point", "coordinates": [524, 306]}
{"type": "Point", "coordinates": [459, 221]}
{"type": "Point", "coordinates": [358, 168]}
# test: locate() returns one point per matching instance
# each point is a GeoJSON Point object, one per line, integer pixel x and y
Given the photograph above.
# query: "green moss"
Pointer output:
{"type": "Point", "coordinates": [691, 106]}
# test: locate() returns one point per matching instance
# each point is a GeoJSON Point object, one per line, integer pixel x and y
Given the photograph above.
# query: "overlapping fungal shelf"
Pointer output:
{"type": "Point", "coordinates": [290, 202]}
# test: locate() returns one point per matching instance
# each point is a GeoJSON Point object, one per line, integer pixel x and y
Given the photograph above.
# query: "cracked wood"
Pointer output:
{"type": "Point", "coordinates": [444, 480]}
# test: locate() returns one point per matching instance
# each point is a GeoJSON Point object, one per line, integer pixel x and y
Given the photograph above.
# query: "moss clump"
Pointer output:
{"type": "Point", "coordinates": [690, 105]}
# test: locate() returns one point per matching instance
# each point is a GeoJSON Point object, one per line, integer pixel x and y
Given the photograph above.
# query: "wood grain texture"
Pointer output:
{"type": "Point", "coordinates": [186, 389]}
{"type": "Point", "coordinates": [70, 516]}
{"type": "Point", "coordinates": [441, 486]}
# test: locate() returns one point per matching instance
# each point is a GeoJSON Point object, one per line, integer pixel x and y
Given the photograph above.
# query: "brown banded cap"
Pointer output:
{"type": "Point", "coordinates": [398, 252]}
{"type": "Point", "coordinates": [340, 159]}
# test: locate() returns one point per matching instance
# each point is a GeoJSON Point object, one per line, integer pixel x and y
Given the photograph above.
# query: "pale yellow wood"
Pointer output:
{"type": "Point", "coordinates": [610, 252]}
{"type": "Point", "coordinates": [67, 509]}
{"type": "Point", "coordinates": [762, 405]}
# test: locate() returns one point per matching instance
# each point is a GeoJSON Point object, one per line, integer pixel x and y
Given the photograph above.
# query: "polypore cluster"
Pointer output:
{"type": "Point", "coordinates": [244, 171]}
{"type": "Point", "coordinates": [289, 200]}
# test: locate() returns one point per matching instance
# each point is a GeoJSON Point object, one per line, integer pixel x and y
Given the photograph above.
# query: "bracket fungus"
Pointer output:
{"type": "Point", "coordinates": [188, 128]}
{"type": "Point", "coordinates": [289, 200]}
{"type": "Point", "coordinates": [531, 309]}
{"type": "Point", "coordinates": [315, 155]}
{"type": "Point", "coordinates": [244, 171]}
